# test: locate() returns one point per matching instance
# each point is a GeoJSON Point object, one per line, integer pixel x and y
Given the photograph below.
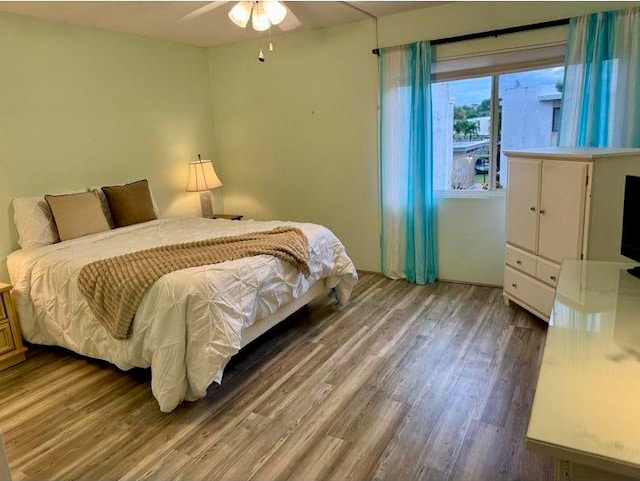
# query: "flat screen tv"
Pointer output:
{"type": "Point", "coordinates": [631, 222]}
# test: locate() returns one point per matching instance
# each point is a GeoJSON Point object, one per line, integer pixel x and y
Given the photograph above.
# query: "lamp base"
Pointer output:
{"type": "Point", "coordinates": [205, 204]}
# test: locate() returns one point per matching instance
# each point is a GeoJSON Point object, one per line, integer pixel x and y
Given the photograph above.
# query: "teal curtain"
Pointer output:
{"type": "Point", "coordinates": [601, 94]}
{"type": "Point", "coordinates": [408, 240]}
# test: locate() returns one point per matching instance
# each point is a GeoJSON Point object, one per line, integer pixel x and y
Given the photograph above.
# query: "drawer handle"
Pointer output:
{"type": "Point", "coordinates": [533, 209]}
{"type": "Point", "coordinates": [519, 263]}
{"type": "Point", "coordinates": [542, 212]}
{"type": "Point", "coordinates": [553, 278]}
{"type": "Point", "coordinates": [514, 285]}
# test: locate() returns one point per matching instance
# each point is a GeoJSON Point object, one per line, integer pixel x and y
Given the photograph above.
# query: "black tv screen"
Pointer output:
{"type": "Point", "coordinates": [631, 219]}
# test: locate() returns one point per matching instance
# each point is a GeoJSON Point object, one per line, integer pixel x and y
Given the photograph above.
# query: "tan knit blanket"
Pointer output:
{"type": "Point", "coordinates": [115, 287]}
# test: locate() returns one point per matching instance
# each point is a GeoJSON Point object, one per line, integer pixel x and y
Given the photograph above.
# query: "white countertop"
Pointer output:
{"type": "Point", "coordinates": [587, 403]}
{"type": "Point", "coordinates": [574, 153]}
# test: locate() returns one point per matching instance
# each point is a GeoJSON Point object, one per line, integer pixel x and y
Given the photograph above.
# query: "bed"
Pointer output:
{"type": "Point", "coordinates": [191, 321]}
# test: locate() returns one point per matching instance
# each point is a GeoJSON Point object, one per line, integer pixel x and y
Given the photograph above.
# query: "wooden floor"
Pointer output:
{"type": "Point", "coordinates": [404, 383]}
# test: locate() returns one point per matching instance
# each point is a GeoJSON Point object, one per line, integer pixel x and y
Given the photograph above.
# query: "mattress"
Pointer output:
{"type": "Point", "coordinates": [190, 322]}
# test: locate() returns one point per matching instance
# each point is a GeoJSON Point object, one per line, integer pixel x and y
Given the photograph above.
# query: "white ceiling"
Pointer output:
{"type": "Point", "coordinates": [161, 19]}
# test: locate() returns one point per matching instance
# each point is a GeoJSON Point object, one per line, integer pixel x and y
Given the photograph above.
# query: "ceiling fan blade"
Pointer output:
{"type": "Point", "coordinates": [290, 21]}
{"type": "Point", "coordinates": [202, 10]}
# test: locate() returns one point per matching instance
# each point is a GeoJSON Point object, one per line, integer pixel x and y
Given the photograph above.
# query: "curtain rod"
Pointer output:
{"type": "Point", "coordinates": [494, 33]}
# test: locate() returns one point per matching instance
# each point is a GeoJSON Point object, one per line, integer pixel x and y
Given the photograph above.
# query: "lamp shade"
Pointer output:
{"type": "Point", "coordinates": [275, 11]}
{"type": "Point", "coordinates": [202, 176]}
{"type": "Point", "coordinates": [241, 13]}
{"type": "Point", "coordinates": [259, 19]}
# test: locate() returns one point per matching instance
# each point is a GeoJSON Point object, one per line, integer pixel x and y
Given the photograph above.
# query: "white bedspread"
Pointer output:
{"type": "Point", "coordinates": [190, 322]}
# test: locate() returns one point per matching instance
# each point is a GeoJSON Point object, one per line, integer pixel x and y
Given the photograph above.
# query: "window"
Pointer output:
{"type": "Point", "coordinates": [555, 122]}
{"type": "Point", "coordinates": [476, 119]}
{"type": "Point", "coordinates": [461, 133]}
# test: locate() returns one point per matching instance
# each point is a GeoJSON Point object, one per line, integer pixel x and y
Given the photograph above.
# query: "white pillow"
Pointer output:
{"type": "Point", "coordinates": [105, 204]}
{"type": "Point", "coordinates": [34, 221]}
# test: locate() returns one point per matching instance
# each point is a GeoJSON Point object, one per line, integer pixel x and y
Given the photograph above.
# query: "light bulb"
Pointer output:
{"type": "Point", "coordinates": [275, 11]}
{"type": "Point", "coordinates": [241, 13]}
{"type": "Point", "coordinates": [259, 18]}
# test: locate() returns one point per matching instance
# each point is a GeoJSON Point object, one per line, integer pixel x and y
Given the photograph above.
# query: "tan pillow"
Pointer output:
{"type": "Point", "coordinates": [77, 215]}
{"type": "Point", "coordinates": [130, 204]}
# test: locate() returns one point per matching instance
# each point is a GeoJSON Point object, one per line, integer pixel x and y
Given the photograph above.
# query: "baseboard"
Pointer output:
{"type": "Point", "coordinates": [469, 283]}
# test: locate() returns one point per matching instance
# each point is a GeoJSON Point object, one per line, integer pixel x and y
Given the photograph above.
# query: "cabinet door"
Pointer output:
{"type": "Point", "coordinates": [523, 190]}
{"type": "Point", "coordinates": [562, 204]}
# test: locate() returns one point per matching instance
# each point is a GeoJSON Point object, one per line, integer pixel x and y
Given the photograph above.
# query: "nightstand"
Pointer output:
{"type": "Point", "coordinates": [11, 348]}
{"type": "Point", "coordinates": [227, 216]}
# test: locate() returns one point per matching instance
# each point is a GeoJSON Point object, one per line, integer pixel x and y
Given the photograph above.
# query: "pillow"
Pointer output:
{"type": "Point", "coordinates": [34, 222]}
{"type": "Point", "coordinates": [130, 203]}
{"type": "Point", "coordinates": [105, 204]}
{"type": "Point", "coordinates": [77, 215]}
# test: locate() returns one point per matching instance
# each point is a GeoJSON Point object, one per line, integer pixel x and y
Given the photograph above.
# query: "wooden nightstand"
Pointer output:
{"type": "Point", "coordinates": [227, 216]}
{"type": "Point", "coordinates": [11, 348]}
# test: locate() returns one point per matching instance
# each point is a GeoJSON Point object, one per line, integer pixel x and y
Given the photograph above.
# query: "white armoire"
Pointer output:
{"type": "Point", "coordinates": [562, 203]}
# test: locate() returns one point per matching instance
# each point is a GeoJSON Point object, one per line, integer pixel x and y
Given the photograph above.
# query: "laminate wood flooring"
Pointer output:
{"type": "Point", "coordinates": [404, 383]}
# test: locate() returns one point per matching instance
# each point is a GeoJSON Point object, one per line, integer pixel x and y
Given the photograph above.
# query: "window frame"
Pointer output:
{"type": "Point", "coordinates": [495, 74]}
{"type": "Point", "coordinates": [494, 56]}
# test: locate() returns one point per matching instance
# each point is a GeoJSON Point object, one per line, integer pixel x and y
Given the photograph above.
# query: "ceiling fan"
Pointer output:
{"type": "Point", "coordinates": [263, 14]}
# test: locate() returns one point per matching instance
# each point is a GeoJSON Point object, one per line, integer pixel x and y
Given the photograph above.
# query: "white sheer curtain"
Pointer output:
{"type": "Point", "coordinates": [406, 164]}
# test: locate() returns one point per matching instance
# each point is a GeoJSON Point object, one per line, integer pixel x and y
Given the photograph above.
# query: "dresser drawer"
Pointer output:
{"type": "Point", "coordinates": [3, 309]}
{"type": "Point", "coordinates": [530, 291]}
{"type": "Point", "coordinates": [521, 260]}
{"type": "Point", "coordinates": [547, 272]}
{"type": "Point", "coordinates": [6, 339]}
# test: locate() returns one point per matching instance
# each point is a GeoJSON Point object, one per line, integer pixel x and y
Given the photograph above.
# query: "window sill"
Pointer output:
{"type": "Point", "coordinates": [470, 194]}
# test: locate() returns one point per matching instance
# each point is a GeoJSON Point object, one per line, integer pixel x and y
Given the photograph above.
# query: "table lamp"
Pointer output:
{"type": "Point", "coordinates": [203, 178]}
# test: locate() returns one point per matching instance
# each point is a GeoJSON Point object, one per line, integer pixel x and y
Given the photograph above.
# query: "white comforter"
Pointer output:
{"type": "Point", "coordinates": [190, 322]}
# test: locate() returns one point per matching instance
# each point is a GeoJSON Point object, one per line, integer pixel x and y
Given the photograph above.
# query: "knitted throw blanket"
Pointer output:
{"type": "Point", "coordinates": [114, 287]}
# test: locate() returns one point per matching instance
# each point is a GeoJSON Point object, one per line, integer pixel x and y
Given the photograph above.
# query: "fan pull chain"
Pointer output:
{"type": "Point", "coordinates": [270, 44]}
{"type": "Point", "coordinates": [261, 54]}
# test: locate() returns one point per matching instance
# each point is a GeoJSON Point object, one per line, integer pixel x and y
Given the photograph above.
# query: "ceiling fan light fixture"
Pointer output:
{"type": "Point", "coordinates": [259, 18]}
{"type": "Point", "coordinates": [274, 10]}
{"type": "Point", "coordinates": [241, 13]}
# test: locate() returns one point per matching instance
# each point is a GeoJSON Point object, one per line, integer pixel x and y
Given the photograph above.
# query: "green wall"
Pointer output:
{"type": "Point", "coordinates": [84, 107]}
{"type": "Point", "coordinates": [296, 136]}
